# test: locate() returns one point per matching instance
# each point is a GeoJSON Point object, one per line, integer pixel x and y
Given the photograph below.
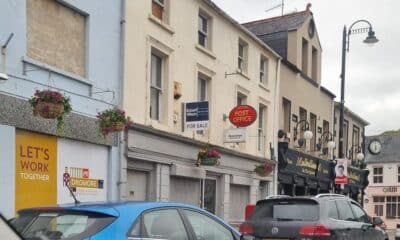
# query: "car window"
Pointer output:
{"type": "Point", "coordinates": [206, 228]}
{"type": "Point", "coordinates": [345, 212]}
{"type": "Point", "coordinates": [359, 214]}
{"type": "Point", "coordinates": [164, 224]}
{"type": "Point", "coordinates": [332, 210]}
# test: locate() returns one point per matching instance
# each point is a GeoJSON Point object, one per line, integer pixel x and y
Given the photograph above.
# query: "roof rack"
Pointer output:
{"type": "Point", "coordinates": [328, 195]}
{"type": "Point", "coordinates": [277, 196]}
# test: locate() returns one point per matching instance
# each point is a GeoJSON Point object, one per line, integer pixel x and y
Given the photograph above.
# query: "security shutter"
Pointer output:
{"type": "Point", "coordinates": [239, 198]}
{"type": "Point", "coordinates": [137, 185]}
{"type": "Point", "coordinates": [185, 190]}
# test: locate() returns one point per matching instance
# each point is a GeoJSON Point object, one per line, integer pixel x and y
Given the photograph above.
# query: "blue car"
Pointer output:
{"type": "Point", "coordinates": [117, 221]}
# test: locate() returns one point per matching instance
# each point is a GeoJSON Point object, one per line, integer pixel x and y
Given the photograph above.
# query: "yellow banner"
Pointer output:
{"type": "Point", "coordinates": [35, 170]}
{"type": "Point", "coordinates": [84, 183]}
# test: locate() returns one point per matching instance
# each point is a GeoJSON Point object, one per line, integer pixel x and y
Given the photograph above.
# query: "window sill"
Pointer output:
{"type": "Point", "coordinates": [205, 51]}
{"type": "Point", "coordinates": [163, 25]}
{"type": "Point", "coordinates": [263, 86]}
{"type": "Point", "coordinates": [47, 67]}
{"type": "Point", "coordinates": [242, 73]}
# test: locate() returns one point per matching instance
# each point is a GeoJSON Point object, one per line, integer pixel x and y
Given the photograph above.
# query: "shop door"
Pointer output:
{"type": "Point", "coordinates": [240, 195]}
{"type": "Point", "coordinates": [185, 190]}
{"type": "Point", "coordinates": [137, 185]}
{"type": "Point", "coordinates": [210, 195]}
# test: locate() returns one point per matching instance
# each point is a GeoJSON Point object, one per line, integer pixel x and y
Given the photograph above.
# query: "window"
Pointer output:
{"type": "Point", "coordinates": [313, 128]}
{"type": "Point", "coordinates": [332, 210]}
{"type": "Point", "coordinates": [325, 128]}
{"type": "Point", "coordinates": [346, 136]}
{"type": "Point", "coordinates": [263, 70]}
{"type": "Point", "coordinates": [64, 49]}
{"type": "Point", "coordinates": [314, 64]}
{"type": "Point", "coordinates": [393, 207]}
{"type": "Point", "coordinates": [204, 31]}
{"type": "Point", "coordinates": [241, 99]}
{"type": "Point", "coordinates": [158, 8]}
{"type": "Point", "coordinates": [360, 215]}
{"type": "Point", "coordinates": [356, 141]}
{"type": "Point", "coordinates": [378, 175]}
{"type": "Point", "coordinates": [202, 91]}
{"type": "Point", "coordinates": [156, 86]}
{"type": "Point", "coordinates": [287, 108]}
{"type": "Point", "coordinates": [345, 212]}
{"type": "Point", "coordinates": [398, 174]}
{"type": "Point", "coordinates": [304, 54]}
{"type": "Point", "coordinates": [378, 202]}
{"type": "Point", "coordinates": [206, 228]}
{"type": "Point", "coordinates": [303, 116]}
{"type": "Point", "coordinates": [242, 56]}
{"type": "Point", "coordinates": [164, 224]}
{"type": "Point", "coordinates": [261, 128]}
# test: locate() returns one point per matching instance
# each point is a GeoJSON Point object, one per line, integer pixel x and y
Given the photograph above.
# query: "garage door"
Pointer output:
{"type": "Point", "coordinates": [137, 185]}
{"type": "Point", "coordinates": [239, 199]}
{"type": "Point", "coordinates": [185, 190]}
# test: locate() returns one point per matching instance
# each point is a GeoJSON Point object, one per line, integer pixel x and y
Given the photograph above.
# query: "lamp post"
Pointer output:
{"type": "Point", "coordinates": [360, 155]}
{"type": "Point", "coordinates": [370, 40]}
{"type": "Point", "coordinates": [327, 138]}
{"type": "Point", "coordinates": [307, 135]}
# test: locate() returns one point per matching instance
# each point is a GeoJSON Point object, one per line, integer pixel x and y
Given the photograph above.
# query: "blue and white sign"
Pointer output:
{"type": "Point", "coordinates": [196, 116]}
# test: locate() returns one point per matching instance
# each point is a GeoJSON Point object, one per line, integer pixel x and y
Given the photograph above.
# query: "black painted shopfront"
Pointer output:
{"type": "Point", "coordinates": [301, 174]}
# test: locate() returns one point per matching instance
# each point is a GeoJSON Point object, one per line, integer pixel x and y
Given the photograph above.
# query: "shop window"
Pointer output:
{"type": "Point", "coordinates": [204, 30]}
{"type": "Point", "coordinates": [378, 175]}
{"type": "Point", "coordinates": [379, 203]}
{"type": "Point", "coordinates": [393, 207]}
{"type": "Point", "coordinates": [261, 127]}
{"type": "Point", "coordinates": [46, 42]}
{"type": "Point", "coordinates": [263, 70]}
{"type": "Point", "coordinates": [242, 56]}
{"type": "Point", "coordinates": [287, 108]}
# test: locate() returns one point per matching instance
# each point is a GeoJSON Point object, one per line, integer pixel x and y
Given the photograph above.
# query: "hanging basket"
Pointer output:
{"type": "Point", "coordinates": [209, 161]}
{"type": "Point", "coordinates": [262, 171]}
{"type": "Point", "coordinates": [119, 126]}
{"type": "Point", "coordinates": [49, 110]}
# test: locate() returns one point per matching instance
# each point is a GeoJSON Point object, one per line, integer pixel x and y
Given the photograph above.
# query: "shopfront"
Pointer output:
{"type": "Point", "coordinates": [166, 166]}
{"type": "Point", "coordinates": [302, 174]}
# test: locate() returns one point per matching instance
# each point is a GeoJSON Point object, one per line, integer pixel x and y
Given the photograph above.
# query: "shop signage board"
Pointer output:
{"type": "Point", "coordinates": [235, 135]}
{"type": "Point", "coordinates": [242, 115]}
{"type": "Point", "coordinates": [341, 171]}
{"type": "Point", "coordinates": [196, 116]}
{"type": "Point", "coordinates": [301, 163]}
{"type": "Point", "coordinates": [35, 170]}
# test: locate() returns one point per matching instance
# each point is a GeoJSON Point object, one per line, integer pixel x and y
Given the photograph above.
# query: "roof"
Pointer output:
{"type": "Point", "coordinates": [390, 149]}
{"type": "Point", "coordinates": [352, 114]}
{"type": "Point", "coordinates": [278, 24]}
{"type": "Point", "coordinates": [241, 28]}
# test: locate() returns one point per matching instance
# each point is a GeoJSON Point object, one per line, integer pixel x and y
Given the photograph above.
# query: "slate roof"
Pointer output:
{"type": "Point", "coordinates": [352, 114]}
{"type": "Point", "coordinates": [390, 152]}
{"type": "Point", "coordinates": [278, 24]}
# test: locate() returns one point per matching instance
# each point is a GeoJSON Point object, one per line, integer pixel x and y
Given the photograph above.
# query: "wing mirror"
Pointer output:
{"type": "Point", "coordinates": [376, 221]}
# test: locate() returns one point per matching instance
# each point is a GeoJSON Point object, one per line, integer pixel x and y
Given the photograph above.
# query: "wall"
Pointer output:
{"type": "Point", "coordinates": [185, 61]}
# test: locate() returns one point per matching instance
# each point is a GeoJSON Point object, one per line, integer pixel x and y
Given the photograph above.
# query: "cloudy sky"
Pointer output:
{"type": "Point", "coordinates": [372, 73]}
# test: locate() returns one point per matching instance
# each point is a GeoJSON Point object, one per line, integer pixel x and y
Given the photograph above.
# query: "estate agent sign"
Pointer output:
{"type": "Point", "coordinates": [196, 116]}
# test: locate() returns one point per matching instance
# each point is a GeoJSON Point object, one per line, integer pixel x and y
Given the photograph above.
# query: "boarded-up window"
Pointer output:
{"type": "Point", "coordinates": [56, 35]}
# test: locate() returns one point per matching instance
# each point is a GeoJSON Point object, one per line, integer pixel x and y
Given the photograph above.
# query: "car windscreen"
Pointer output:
{"type": "Point", "coordinates": [64, 224]}
{"type": "Point", "coordinates": [286, 210]}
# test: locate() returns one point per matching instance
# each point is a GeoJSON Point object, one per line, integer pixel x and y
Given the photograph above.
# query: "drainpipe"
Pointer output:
{"type": "Point", "coordinates": [276, 123]}
{"type": "Point", "coordinates": [122, 161]}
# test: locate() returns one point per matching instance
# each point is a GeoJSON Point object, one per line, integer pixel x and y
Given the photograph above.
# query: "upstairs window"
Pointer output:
{"type": "Point", "coordinates": [204, 28]}
{"type": "Point", "coordinates": [378, 175]}
{"type": "Point", "coordinates": [242, 56]}
{"type": "Point", "coordinates": [398, 174]}
{"type": "Point", "coordinates": [261, 128]}
{"type": "Point", "coordinates": [158, 9]}
{"type": "Point", "coordinates": [263, 70]}
{"type": "Point", "coordinates": [287, 108]}
{"type": "Point", "coordinates": [156, 86]}
{"type": "Point", "coordinates": [304, 60]}
{"type": "Point", "coordinates": [241, 99]}
{"type": "Point", "coordinates": [314, 64]}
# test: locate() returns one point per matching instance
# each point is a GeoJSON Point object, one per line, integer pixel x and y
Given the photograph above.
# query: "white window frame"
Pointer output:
{"type": "Point", "coordinates": [242, 96]}
{"type": "Point", "coordinates": [201, 31]}
{"type": "Point", "coordinates": [377, 175]}
{"type": "Point", "coordinates": [242, 60]}
{"type": "Point", "coordinates": [264, 70]}
{"type": "Point", "coordinates": [261, 129]}
{"type": "Point", "coordinates": [160, 3]}
{"type": "Point", "coordinates": [205, 80]}
{"type": "Point", "coordinates": [159, 89]}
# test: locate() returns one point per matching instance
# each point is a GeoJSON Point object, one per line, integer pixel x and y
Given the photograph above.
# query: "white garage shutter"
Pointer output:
{"type": "Point", "coordinates": [185, 190]}
{"type": "Point", "coordinates": [239, 198]}
{"type": "Point", "coordinates": [137, 185]}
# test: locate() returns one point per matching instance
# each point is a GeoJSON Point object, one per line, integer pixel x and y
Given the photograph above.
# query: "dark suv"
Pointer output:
{"type": "Point", "coordinates": [325, 216]}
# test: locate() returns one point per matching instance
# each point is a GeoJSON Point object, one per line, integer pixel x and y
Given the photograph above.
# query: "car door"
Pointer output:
{"type": "Point", "coordinates": [159, 224]}
{"type": "Point", "coordinates": [350, 228]}
{"type": "Point", "coordinates": [368, 230]}
{"type": "Point", "coordinates": [206, 228]}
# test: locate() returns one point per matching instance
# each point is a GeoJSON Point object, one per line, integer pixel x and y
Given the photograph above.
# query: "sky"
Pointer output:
{"type": "Point", "coordinates": [372, 88]}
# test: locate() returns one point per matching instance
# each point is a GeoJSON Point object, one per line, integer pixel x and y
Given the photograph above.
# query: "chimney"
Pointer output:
{"type": "Point", "coordinates": [308, 7]}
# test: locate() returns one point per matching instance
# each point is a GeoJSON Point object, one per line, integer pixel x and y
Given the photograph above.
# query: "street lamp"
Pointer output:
{"type": "Point", "coordinates": [360, 155]}
{"type": "Point", "coordinates": [307, 135]}
{"type": "Point", "coordinates": [370, 40]}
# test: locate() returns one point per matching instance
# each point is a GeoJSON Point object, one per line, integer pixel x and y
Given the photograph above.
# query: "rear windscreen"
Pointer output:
{"type": "Point", "coordinates": [60, 225]}
{"type": "Point", "coordinates": [292, 210]}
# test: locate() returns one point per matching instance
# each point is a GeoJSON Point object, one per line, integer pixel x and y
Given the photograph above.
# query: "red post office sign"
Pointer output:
{"type": "Point", "coordinates": [242, 116]}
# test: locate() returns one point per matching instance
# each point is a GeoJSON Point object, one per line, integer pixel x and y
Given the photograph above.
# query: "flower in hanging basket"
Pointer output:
{"type": "Point", "coordinates": [207, 156]}
{"type": "Point", "coordinates": [51, 105]}
{"type": "Point", "coordinates": [264, 170]}
{"type": "Point", "coordinates": [113, 120]}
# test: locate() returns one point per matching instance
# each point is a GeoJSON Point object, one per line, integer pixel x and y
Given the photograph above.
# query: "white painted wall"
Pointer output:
{"type": "Point", "coordinates": [7, 165]}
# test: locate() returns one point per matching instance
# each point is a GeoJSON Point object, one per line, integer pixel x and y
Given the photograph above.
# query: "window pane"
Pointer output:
{"type": "Point", "coordinates": [202, 39]}
{"type": "Point", "coordinates": [206, 228]}
{"type": "Point", "coordinates": [261, 113]}
{"type": "Point", "coordinates": [156, 71]}
{"type": "Point", "coordinates": [154, 103]}
{"type": "Point", "coordinates": [241, 50]}
{"type": "Point", "coordinates": [202, 89]}
{"type": "Point", "coordinates": [332, 210]}
{"type": "Point", "coordinates": [164, 224]}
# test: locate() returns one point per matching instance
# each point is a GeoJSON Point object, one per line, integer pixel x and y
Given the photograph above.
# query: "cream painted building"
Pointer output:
{"type": "Point", "coordinates": [304, 104]}
{"type": "Point", "coordinates": [182, 51]}
{"type": "Point", "coordinates": [383, 193]}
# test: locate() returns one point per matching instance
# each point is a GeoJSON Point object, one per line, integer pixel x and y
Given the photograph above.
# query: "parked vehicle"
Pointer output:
{"type": "Point", "coordinates": [397, 236]}
{"type": "Point", "coordinates": [325, 216]}
{"type": "Point", "coordinates": [117, 221]}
